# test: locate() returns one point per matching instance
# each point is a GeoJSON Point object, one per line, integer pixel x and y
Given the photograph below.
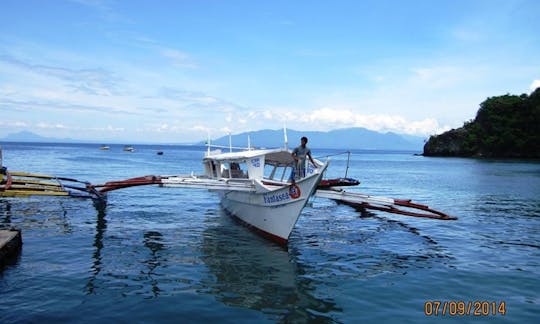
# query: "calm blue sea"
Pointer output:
{"type": "Point", "coordinates": [172, 255]}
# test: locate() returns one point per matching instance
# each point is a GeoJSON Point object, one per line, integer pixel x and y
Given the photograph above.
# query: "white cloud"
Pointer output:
{"type": "Point", "coordinates": [163, 128]}
{"type": "Point", "coordinates": [112, 129]}
{"type": "Point", "coordinates": [200, 128]}
{"type": "Point", "coordinates": [178, 58]}
{"type": "Point", "coordinates": [154, 104]}
{"type": "Point", "coordinates": [534, 85]}
{"type": "Point", "coordinates": [330, 118]}
{"type": "Point", "coordinates": [105, 10]}
{"type": "Point", "coordinates": [51, 126]}
{"type": "Point", "coordinates": [94, 81]}
{"type": "Point", "coordinates": [13, 124]}
{"type": "Point", "coordinates": [442, 76]}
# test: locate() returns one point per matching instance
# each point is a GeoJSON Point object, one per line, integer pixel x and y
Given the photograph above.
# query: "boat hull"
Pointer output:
{"type": "Point", "coordinates": [272, 214]}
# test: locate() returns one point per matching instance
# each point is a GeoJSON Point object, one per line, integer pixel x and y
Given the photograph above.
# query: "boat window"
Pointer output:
{"type": "Point", "coordinates": [277, 173]}
{"type": "Point", "coordinates": [238, 170]}
{"type": "Point", "coordinates": [213, 169]}
{"type": "Point", "coordinates": [269, 171]}
{"type": "Point", "coordinates": [285, 174]}
{"type": "Point", "coordinates": [224, 170]}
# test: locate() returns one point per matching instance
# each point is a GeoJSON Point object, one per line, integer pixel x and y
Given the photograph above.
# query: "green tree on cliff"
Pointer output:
{"type": "Point", "coordinates": [505, 126]}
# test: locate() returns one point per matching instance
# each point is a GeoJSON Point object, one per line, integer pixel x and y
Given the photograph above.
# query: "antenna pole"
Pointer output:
{"type": "Point", "coordinates": [230, 142]}
{"type": "Point", "coordinates": [249, 143]}
{"type": "Point", "coordinates": [285, 137]}
{"type": "Point", "coordinates": [348, 159]}
{"type": "Point", "coordinates": [208, 143]}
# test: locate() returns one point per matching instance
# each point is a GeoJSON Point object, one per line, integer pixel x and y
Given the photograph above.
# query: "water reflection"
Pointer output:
{"type": "Point", "coordinates": [35, 213]}
{"type": "Point", "coordinates": [129, 273]}
{"type": "Point", "coordinates": [101, 227]}
{"type": "Point", "coordinates": [364, 213]}
{"type": "Point", "coordinates": [153, 241]}
{"type": "Point", "coordinates": [5, 210]}
{"type": "Point", "coordinates": [5, 223]}
{"type": "Point", "coordinates": [334, 244]}
{"type": "Point", "coordinates": [253, 273]}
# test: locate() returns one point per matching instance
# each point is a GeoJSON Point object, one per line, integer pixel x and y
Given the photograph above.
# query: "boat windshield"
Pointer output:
{"type": "Point", "coordinates": [234, 170]}
{"type": "Point", "coordinates": [277, 172]}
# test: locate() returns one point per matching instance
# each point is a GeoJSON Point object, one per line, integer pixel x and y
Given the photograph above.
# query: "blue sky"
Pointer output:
{"type": "Point", "coordinates": [174, 71]}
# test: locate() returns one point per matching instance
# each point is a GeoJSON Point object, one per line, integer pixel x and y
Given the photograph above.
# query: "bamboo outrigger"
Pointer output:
{"type": "Point", "coordinates": [327, 188]}
{"type": "Point", "coordinates": [25, 184]}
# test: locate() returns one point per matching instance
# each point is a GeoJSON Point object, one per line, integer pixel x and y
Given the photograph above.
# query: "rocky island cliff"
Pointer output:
{"type": "Point", "coordinates": [505, 126]}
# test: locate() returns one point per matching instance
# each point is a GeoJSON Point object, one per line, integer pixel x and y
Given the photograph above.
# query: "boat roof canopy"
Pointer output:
{"type": "Point", "coordinates": [277, 156]}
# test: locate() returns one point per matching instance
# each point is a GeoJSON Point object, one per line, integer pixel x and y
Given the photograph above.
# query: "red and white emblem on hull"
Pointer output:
{"type": "Point", "coordinates": [294, 191]}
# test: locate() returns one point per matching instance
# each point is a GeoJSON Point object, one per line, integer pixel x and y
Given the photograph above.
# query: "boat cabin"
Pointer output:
{"type": "Point", "coordinates": [275, 165]}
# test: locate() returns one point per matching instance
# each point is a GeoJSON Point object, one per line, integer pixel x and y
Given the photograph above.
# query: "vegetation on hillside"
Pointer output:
{"type": "Point", "coordinates": [505, 126]}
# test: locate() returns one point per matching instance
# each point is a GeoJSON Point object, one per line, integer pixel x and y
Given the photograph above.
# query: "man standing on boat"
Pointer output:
{"type": "Point", "coordinates": [299, 155]}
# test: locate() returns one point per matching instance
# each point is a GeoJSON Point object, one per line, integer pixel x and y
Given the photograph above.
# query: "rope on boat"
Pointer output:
{"type": "Point", "coordinates": [341, 153]}
{"type": "Point", "coordinates": [330, 155]}
{"type": "Point", "coordinates": [336, 154]}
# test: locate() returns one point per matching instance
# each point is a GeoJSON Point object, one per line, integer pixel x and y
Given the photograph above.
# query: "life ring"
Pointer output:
{"type": "Point", "coordinates": [294, 191]}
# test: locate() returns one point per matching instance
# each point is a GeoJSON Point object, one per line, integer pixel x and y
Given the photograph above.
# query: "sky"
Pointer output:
{"type": "Point", "coordinates": [179, 71]}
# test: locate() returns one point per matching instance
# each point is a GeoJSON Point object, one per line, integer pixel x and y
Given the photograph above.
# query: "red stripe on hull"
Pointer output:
{"type": "Point", "coordinates": [272, 237]}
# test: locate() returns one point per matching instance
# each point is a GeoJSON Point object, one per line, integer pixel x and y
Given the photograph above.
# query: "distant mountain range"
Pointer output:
{"type": "Point", "coordinates": [345, 138]}
{"type": "Point", "coordinates": [26, 136]}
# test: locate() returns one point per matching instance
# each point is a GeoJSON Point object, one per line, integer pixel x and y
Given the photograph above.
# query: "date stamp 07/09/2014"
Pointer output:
{"type": "Point", "coordinates": [464, 308]}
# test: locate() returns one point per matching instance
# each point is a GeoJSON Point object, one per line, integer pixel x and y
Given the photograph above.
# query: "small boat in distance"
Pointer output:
{"type": "Point", "coordinates": [129, 148]}
{"type": "Point", "coordinates": [104, 147]}
{"type": "Point", "coordinates": [160, 153]}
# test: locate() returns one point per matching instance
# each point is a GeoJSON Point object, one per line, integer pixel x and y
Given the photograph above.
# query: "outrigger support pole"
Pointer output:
{"type": "Point", "coordinates": [120, 184]}
{"type": "Point", "coordinates": [395, 206]}
{"type": "Point", "coordinates": [24, 184]}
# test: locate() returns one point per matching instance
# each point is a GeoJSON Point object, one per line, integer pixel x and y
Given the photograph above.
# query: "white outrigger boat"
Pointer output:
{"type": "Point", "coordinates": [257, 187]}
